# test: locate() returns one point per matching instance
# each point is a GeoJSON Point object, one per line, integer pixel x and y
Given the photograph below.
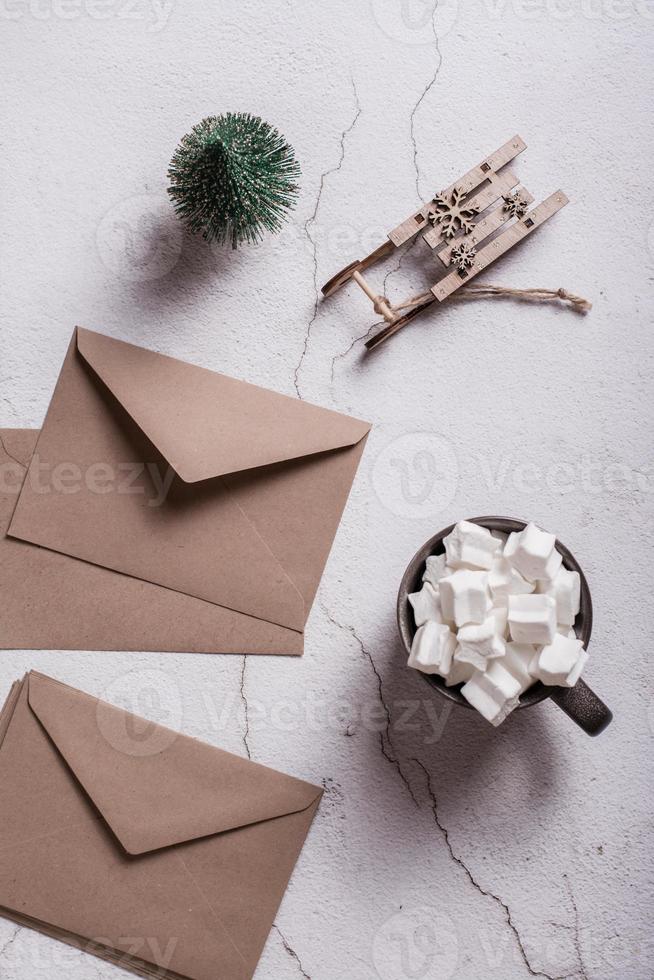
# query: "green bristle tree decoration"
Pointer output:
{"type": "Point", "coordinates": [233, 177]}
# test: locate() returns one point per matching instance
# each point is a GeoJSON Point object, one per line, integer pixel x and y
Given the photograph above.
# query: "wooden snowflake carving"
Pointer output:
{"type": "Point", "coordinates": [515, 205]}
{"type": "Point", "coordinates": [463, 256]}
{"type": "Point", "coordinates": [452, 215]}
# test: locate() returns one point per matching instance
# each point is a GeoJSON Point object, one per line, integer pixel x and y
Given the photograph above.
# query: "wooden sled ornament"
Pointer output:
{"type": "Point", "coordinates": [468, 226]}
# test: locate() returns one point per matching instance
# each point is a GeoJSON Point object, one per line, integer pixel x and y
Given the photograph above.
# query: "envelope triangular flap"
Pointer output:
{"type": "Point", "coordinates": [155, 787]}
{"type": "Point", "coordinates": [207, 424]}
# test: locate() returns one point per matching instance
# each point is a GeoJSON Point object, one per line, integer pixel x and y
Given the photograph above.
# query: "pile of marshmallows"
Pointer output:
{"type": "Point", "coordinates": [496, 615]}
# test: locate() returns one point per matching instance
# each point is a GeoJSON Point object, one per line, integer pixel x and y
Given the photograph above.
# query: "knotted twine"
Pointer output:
{"type": "Point", "coordinates": [485, 290]}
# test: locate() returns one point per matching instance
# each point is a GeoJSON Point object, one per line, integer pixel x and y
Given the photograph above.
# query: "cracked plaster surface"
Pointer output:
{"type": "Point", "coordinates": [529, 846]}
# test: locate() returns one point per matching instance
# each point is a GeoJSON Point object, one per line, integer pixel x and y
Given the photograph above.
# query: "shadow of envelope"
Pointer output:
{"type": "Point", "coordinates": [140, 845]}
{"type": "Point", "coordinates": [191, 481]}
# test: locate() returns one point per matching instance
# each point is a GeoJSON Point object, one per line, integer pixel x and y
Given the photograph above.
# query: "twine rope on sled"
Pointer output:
{"type": "Point", "coordinates": [485, 291]}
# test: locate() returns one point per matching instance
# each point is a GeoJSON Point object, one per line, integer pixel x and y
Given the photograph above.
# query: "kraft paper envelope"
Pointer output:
{"type": "Point", "coordinates": [147, 848]}
{"type": "Point", "coordinates": [51, 601]}
{"type": "Point", "coordinates": [215, 496]}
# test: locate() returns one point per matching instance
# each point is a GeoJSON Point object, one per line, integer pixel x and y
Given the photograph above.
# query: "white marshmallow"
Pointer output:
{"type": "Point", "coordinates": [576, 671]}
{"type": "Point", "coordinates": [501, 616]}
{"type": "Point", "coordinates": [494, 693]}
{"type": "Point", "coordinates": [479, 643]}
{"type": "Point", "coordinates": [432, 649]}
{"type": "Point", "coordinates": [518, 660]}
{"type": "Point", "coordinates": [533, 552]}
{"type": "Point", "coordinates": [504, 580]}
{"type": "Point", "coordinates": [561, 662]}
{"type": "Point", "coordinates": [532, 618]}
{"type": "Point", "coordinates": [566, 592]}
{"type": "Point", "coordinates": [471, 546]}
{"type": "Point", "coordinates": [566, 631]}
{"type": "Point", "coordinates": [426, 605]}
{"type": "Point", "coordinates": [435, 569]}
{"type": "Point", "coordinates": [464, 597]}
{"type": "Point", "coordinates": [459, 672]}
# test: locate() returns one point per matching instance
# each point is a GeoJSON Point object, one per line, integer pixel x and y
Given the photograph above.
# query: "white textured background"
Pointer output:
{"type": "Point", "coordinates": [443, 848]}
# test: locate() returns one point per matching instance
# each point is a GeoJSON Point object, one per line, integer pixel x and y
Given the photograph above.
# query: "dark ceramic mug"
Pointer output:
{"type": "Point", "coordinates": [578, 702]}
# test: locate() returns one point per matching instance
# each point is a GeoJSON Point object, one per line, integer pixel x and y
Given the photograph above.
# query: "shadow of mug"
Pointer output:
{"type": "Point", "coordinates": [579, 702]}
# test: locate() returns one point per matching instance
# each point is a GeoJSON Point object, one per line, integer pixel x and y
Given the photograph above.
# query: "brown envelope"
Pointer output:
{"type": "Point", "coordinates": [205, 487]}
{"type": "Point", "coordinates": [145, 847]}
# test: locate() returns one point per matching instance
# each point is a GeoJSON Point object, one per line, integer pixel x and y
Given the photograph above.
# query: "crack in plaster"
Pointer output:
{"type": "Point", "coordinates": [577, 941]}
{"type": "Point", "coordinates": [425, 92]}
{"type": "Point", "coordinates": [10, 941]}
{"type": "Point", "coordinates": [312, 242]}
{"type": "Point", "coordinates": [393, 272]}
{"type": "Point", "coordinates": [291, 952]}
{"type": "Point", "coordinates": [244, 701]}
{"type": "Point", "coordinates": [364, 336]}
{"type": "Point", "coordinates": [482, 891]}
{"type": "Point", "coordinates": [385, 738]}
{"type": "Point", "coordinates": [412, 120]}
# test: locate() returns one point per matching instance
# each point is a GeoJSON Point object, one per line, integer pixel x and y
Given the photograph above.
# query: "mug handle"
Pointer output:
{"type": "Point", "coordinates": [584, 707]}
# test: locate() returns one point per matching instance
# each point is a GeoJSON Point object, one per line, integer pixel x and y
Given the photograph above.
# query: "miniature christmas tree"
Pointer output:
{"type": "Point", "coordinates": [233, 177]}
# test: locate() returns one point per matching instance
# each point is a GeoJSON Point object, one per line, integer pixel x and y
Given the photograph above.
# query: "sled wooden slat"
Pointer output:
{"type": "Point", "coordinates": [502, 184]}
{"type": "Point", "coordinates": [490, 164]}
{"type": "Point", "coordinates": [483, 228]}
{"type": "Point", "coordinates": [499, 246]}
